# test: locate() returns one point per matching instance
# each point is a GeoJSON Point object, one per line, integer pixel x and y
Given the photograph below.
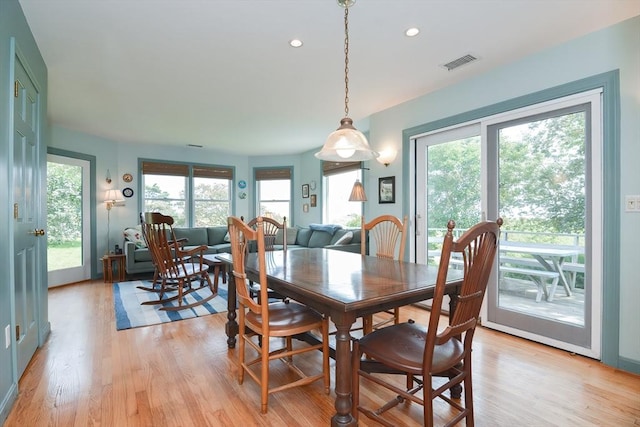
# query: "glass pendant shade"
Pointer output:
{"type": "Point", "coordinates": [346, 144]}
{"type": "Point", "coordinates": [357, 192]}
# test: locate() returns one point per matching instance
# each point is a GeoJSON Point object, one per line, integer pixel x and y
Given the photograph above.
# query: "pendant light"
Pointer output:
{"type": "Point", "coordinates": [357, 192]}
{"type": "Point", "coordinates": [346, 144]}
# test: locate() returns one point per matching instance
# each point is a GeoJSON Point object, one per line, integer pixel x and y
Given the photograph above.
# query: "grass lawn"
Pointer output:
{"type": "Point", "coordinates": [65, 255]}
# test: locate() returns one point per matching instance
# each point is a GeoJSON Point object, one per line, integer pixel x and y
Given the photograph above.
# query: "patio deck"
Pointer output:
{"type": "Point", "coordinates": [520, 295]}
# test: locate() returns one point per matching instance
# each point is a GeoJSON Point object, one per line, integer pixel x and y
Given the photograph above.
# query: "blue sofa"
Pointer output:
{"type": "Point", "coordinates": [138, 258]}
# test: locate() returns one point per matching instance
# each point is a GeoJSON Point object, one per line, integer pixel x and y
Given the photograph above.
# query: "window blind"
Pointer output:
{"type": "Point", "coordinates": [334, 168]}
{"type": "Point", "coordinates": [272, 174]}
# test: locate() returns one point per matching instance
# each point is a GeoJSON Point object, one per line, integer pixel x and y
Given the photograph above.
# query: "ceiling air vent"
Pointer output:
{"type": "Point", "coordinates": [194, 145]}
{"type": "Point", "coordinates": [459, 62]}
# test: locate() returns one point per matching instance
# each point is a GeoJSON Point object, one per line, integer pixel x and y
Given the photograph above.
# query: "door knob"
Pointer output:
{"type": "Point", "coordinates": [37, 232]}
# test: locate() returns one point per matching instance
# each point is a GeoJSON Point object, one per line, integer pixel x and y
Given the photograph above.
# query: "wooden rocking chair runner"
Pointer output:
{"type": "Point", "coordinates": [176, 269]}
{"type": "Point", "coordinates": [426, 352]}
{"type": "Point", "coordinates": [261, 319]}
{"type": "Point", "coordinates": [389, 235]}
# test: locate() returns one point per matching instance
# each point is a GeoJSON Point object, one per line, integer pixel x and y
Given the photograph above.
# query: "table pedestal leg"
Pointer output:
{"type": "Point", "coordinates": [343, 388]}
{"type": "Point", "coordinates": [231, 327]}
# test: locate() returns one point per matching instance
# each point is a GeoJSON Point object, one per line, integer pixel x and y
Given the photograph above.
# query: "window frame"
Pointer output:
{"type": "Point", "coordinates": [189, 171]}
{"type": "Point", "coordinates": [273, 173]}
{"type": "Point", "coordinates": [337, 168]}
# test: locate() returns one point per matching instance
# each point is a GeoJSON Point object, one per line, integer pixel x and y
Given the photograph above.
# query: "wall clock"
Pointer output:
{"type": "Point", "coordinates": [127, 177]}
{"type": "Point", "coordinates": [242, 184]}
{"type": "Point", "coordinates": [127, 192]}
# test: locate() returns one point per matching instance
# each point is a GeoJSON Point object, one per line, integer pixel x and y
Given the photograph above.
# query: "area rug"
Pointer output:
{"type": "Point", "coordinates": [127, 299]}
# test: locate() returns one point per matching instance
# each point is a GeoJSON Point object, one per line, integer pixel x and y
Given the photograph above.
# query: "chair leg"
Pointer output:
{"type": "Point", "coordinates": [468, 393]}
{"type": "Point", "coordinates": [264, 377]}
{"type": "Point", "coordinates": [355, 380]}
{"type": "Point", "coordinates": [428, 400]}
{"type": "Point", "coordinates": [325, 355]}
{"type": "Point", "coordinates": [241, 346]}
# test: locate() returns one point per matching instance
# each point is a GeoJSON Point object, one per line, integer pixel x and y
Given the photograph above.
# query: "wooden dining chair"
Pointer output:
{"type": "Point", "coordinates": [418, 351]}
{"type": "Point", "coordinates": [388, 235]}
{"type": "Point", "coordinates": [272, 229]}
{"type": "Point", "coordinates": [260, 319]}
{"type": "Point", "coordinates": [177, 269]}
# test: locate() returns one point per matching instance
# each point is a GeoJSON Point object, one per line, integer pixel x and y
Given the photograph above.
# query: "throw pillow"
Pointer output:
{"type": "Point", "coordinates": [227, 238]}
{"type": "Point", "coordinates": [346, 239]}
{"type": "Point", "coordinates": [134, 234]}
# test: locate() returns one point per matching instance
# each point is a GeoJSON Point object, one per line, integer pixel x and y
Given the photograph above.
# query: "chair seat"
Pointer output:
{"type": "Point", "coordinates": [401, 347]}
{"type": "Point", "coordinates": [286, 319]}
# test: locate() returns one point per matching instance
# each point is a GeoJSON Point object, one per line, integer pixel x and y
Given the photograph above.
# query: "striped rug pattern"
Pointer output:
{"type": "Point", "coordinates": [130, 313]}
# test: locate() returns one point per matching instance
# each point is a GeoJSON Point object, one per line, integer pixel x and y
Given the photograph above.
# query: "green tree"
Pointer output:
{"type": "Point", "coordinates": [64, 203]}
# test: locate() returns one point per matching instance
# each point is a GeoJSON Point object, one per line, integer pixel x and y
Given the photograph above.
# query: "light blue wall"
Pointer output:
{"type": "Point", "coordinates": [13, 25]}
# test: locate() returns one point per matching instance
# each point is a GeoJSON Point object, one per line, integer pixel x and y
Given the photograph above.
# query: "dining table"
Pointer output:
{"type": "Point", "coordinates": [343, 286]}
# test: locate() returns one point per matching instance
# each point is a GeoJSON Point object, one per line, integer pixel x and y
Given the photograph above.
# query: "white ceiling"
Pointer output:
{"type": "Point", "coordinates": [220, 73]}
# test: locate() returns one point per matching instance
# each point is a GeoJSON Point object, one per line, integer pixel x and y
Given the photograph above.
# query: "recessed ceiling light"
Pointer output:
{"type": "Point", "coordinates": [412, 32]}
{"type": "Point", "coordinates": [295, 43]}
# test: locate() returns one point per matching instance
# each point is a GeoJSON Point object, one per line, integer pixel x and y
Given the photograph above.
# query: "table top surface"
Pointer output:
{"type": "Point", "coordinates": [346, 280]}
{"type": "Point", "coordinates": [540, 249]}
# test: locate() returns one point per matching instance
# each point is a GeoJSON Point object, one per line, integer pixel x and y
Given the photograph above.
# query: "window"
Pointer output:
{"type": "Point", "coordinates": [273, 188]}
{"type": "Point", "coordinates": [194, 195]}
{"type": "Point", "coordinates": [338, 182]}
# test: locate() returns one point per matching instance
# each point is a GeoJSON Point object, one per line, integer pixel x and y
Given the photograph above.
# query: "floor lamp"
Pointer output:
{"type": "Point", "coordinates": [111, 198]}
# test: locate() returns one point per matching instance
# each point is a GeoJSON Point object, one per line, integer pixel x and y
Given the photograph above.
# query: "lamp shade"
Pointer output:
{"type": "Point", "coordinates": [346, 144]}
{"type": "Point", "coordinates": [387, 156]}
{"type": "Point", "coordinates": [357, 192]}
{"type": "Point", "coordinates": [113, 196]}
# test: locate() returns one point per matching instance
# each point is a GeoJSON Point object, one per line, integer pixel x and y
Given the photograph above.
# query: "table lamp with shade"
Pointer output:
{"type": "Point", "coordinates": [111, 198]}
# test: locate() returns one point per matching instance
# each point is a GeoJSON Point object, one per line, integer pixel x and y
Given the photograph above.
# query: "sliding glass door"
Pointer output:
{"type": "Point", "coordinates": [539, 169]}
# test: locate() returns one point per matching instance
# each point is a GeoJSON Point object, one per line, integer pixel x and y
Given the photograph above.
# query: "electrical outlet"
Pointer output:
{"type": "Point", "coordinates": [632, 203]}
{"type": "Point", "coordinates": [7, 336]}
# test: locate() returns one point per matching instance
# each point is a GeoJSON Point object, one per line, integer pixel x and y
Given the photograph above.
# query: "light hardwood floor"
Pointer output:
{"type": "Point", "coordinates": [182, 374]}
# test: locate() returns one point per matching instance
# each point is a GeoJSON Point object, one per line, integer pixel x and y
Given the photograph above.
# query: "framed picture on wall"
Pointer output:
{"type": "Point", "coordinates": [305, 191]}
{"type": "Point", "coordinates": [313, 200]}
{"type": "Point", "coordinates": [387, 189]}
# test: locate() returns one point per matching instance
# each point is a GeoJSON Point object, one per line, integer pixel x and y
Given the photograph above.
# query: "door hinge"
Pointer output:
{"type": "Point", "coordinates": [16, 86]}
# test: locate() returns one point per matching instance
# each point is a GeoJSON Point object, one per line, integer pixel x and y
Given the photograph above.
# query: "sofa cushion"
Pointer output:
{"type": "Point", "coordinates": [319, 239]}
{"type": "Point", "coordinates": [134, 234]}
{"type": "Point", "coordinates": [327, 228]}
{"type": "Point", "coordinates": [303, 236]}
{"type": "Point", "coordinates": [142, 255]}
{"type": "Point", "coordinates": [217, 235]}
{"type": "Point", "coordinates": [195, 236]}
{"type": "Point", "coordinates": [343, 239]}
{"type": "Point", "coordinates": [292, 234]}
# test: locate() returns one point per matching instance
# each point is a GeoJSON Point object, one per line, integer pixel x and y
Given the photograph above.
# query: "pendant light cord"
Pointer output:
{"type": "Point", "coordinates": [346, 62]}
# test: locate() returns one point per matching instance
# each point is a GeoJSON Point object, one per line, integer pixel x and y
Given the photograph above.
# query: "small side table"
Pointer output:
{"type": "Point", "coordinates": [113, 268]}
